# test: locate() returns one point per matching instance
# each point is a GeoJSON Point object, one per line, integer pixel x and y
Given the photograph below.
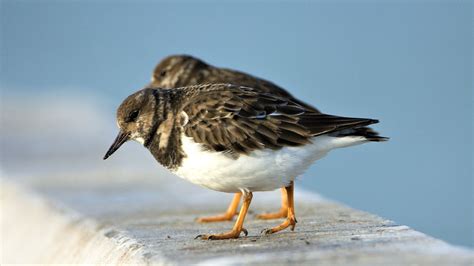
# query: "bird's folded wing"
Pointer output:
{"type": "Point", "coordinates": [238, 120]}
{"type": "Point", "coordinates": [240, 78]}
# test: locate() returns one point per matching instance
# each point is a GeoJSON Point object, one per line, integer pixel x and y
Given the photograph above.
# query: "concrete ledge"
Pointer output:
{"type": "Point", "coordinates": [35, 230]}
{"type": "Point", "coordinates": [139, 221]}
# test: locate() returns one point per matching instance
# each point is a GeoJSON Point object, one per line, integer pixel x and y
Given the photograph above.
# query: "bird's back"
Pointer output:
{"type": "Point", "coordinates": [225, 75]}
{"type": "Point", "coordinates": [184, 70]}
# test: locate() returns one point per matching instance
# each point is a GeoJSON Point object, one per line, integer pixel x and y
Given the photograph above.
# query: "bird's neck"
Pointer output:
{"type": "Point", "coordinates": [166, 147]}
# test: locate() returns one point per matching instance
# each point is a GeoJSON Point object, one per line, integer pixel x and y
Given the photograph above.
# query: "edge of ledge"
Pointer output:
{"type": "Point", "coordinates": [99, 242]}
{"type": "Point", "coordinates": [86, 242]}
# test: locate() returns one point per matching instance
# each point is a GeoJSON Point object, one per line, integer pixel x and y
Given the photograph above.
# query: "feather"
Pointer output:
{"type": "Point", "coordinates": [238, 120]}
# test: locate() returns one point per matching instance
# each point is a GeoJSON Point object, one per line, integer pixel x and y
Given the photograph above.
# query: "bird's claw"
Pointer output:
{"type": "Point", "coordinates": [204, 237]}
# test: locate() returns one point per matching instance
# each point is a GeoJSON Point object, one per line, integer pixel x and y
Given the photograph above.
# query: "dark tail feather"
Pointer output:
{"type": "Point", "coordinates": [367, 132]}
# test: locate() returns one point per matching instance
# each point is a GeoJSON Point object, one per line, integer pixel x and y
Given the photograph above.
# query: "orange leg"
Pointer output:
{"type": "Point", "coordinates": [282, 213]}
{"type": "Point", "coordinates": [290, 218]}
{"type": "Point", "coordinates": [227, 216]}
{"type": "Point", "coordinates": [238, 226]}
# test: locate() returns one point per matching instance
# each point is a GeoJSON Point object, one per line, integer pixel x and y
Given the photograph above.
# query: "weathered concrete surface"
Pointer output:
{"type": "Point", "coordinates": [63, 204]}
{"type": "Point", "coordinates": [151, 221]}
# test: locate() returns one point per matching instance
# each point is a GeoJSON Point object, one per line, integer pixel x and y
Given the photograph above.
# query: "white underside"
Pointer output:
{"type": "Point", "coordinates": [262, 170]}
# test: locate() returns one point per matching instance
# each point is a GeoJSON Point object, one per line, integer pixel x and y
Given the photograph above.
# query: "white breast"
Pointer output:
{"type": "Point", "coordinates": [262, 170]}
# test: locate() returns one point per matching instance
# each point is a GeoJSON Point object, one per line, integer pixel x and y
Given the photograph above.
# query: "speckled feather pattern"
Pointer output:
{"type": "Point", "coordinates": [233, 138]}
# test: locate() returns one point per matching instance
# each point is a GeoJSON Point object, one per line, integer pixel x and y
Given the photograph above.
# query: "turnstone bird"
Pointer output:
{"type": "Point", "coordinates": [184, 70]}
{"type": "Point", "coordinates": [235, 139]}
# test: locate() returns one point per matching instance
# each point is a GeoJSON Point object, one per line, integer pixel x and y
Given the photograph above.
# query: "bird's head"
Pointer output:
{"type": "Point", "coordinates": [178, 71]}
{"type": "Point", "coordinates": [137, 118]}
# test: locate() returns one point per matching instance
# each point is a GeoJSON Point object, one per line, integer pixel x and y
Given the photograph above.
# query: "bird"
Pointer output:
{"type": "Point", "coordinates": [232, 139]}
{"type": "Point", "coordinates": [185, 70]}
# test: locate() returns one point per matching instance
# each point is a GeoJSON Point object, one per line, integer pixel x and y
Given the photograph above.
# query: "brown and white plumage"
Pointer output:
{"type": "Point", "coordinates": [183, 70]}
{"type": "Point", "coordinates": [235, 139]}
{"type": "Point", "coordinates": [238, 120]}
{"type": "Point", "coordinates": [232, 132]}
{"type": "Point", "coordinates": [232, 122]}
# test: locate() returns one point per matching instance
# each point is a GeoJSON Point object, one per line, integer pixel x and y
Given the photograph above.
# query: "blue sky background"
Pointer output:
{"type": "Point", "coordinates": [407, 64]}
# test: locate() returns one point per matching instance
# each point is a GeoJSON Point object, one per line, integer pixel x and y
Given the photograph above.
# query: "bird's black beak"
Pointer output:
{"type": "Point", "coordinates": [121, 139]}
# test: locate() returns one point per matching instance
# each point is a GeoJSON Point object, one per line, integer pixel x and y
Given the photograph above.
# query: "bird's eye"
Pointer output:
{"type": "Point", "coordinates": [163, 73]}
{"type": "Point", "coordinates": [133, 116]}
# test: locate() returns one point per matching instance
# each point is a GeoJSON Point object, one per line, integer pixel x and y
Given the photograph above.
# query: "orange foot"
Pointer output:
{"type": "Point", "coordinates": [227, 216]}
{"type": "Point", "coordinates": [238, 226]}
{"type": "Point", "coordinates": [289, 222]}
{"type": "Point", "coordinates": [228, 235]}
{"type": "Point", "coordinates": [282, 213]}
{"type": "Point", "coordinates": [217, 218]}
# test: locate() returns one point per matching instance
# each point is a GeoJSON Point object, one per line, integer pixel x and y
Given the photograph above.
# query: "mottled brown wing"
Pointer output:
{"type": "Point", "coordinates": [224, 75]}
{"type": "Point", "coordinates": [184, 70]}
{"type": "Point", "coordinates": [238, 120]}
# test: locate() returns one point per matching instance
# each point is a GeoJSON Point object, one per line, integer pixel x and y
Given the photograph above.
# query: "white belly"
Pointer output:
{"type": "Point", "coordinates": [262, 170]}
